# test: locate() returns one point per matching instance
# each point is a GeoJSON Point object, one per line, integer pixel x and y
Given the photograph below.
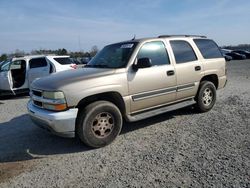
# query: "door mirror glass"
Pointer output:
{"type": "Point", "coordinates": [142, 63]}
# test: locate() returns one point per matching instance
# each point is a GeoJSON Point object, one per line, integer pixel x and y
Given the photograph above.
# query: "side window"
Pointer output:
{"type": "Point", "coordinates": [38, 62]}
{"type": "Point", "coordinates": [183, 52]}
{"type": "Point", "coordinates": [63, 60]}
{"type": "Point", "coordinates": [155, 51]}
{"type": "Point", "coordinates": [17, 65]}
{"type": "Point", "coordinates": [208, 48]}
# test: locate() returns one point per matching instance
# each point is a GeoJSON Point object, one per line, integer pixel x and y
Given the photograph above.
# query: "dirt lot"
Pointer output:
{"type": "Point", "coordinates": [177, 149]}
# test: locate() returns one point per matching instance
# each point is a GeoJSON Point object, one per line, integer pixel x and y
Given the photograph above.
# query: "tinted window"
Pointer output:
{"type": "Point", "coordinates": [208, 48]}
{"type": "Point", "coordinates": [183, 52]}
{"type": "Point", "coordinates": [38, 62]}
{"type": "Point", "coordinates": [155, 51]}
{"type": "Point", "coordinates": [63, 60]}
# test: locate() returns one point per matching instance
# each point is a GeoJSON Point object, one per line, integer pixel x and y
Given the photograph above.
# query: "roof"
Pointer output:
{"type": "Point", "coordinates": [58, 56]}
{"type": "Point", "coordinates": [190, 36]}
{"type": "Point", "coordinates": [27, 57]}
{"type": "Point", "coordinates": [37, 56]}
{"type": "Point", "coordinates": [166, 36]}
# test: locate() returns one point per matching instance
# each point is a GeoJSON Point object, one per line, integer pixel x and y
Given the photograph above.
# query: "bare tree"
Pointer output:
{"type": "Point", "coordinates": [93, 51]}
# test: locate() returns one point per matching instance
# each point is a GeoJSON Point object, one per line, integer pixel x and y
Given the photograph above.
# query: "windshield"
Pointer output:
{"type": "Point", "coordinates": [113, 56]}
{"type": "Point", "coordinates": [5, 66]}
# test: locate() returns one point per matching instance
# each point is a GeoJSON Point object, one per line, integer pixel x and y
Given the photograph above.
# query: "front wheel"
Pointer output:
{"type": "Point", "coordinates": [206, 96]}
{"type": "Point", "coordinates": [99, 124]}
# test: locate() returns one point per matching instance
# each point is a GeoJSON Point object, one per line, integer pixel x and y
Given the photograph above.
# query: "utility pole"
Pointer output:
{"type": "Point", "coordinates": [79, 43]}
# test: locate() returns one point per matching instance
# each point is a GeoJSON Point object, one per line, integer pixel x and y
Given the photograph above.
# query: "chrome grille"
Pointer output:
{"type": "Point", "coordinates": [37, 103]}
{"type": "Point", "coordinates": [35, 96]}
{"type": "Point", "coordinates": [37, 93]}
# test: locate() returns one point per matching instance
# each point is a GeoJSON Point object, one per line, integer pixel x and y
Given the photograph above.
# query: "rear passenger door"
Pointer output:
{"type": "Point", "coordinates": [189, 69]}
{"type": "Point", "coordinates": [38, 67]}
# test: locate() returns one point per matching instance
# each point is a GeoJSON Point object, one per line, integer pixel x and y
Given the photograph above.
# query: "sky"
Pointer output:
{"type": "Point", "coordinates": [77, 25]}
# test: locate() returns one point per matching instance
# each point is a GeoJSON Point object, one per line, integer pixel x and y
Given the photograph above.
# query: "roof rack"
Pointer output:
{"type": "Point", "coordinates": [166, 36]}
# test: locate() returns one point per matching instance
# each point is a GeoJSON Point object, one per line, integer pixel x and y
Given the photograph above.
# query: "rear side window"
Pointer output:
{"type": "Point", "coordinates": [63, 60]}
{"type": "Point", "coordinates": [208, 48]}
{"type": "Point", "coordinates": [183, 52]}
{"type": "Point", "coordinates": [38, 62]}
{"type": "Point", "coordinates": [155, 51]}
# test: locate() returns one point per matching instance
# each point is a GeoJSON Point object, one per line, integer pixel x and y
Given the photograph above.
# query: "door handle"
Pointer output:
{"type": "Point", "coordinates": [170, 73]}
{"type": "Point", "coordinates": [197, 68]}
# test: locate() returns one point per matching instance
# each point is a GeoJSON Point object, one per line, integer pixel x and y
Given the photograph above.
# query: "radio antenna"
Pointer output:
{"type": "Point", "coordinates": [134, 37]}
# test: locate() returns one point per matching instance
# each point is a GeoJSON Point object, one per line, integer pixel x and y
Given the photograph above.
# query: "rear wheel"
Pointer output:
{"type": "Point", "coordinates": [99, 124]}
{"type": "Point", "coordinates": [206, 96]}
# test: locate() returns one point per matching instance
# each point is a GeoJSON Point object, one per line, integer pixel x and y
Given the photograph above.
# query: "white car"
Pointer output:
{"type": "Point", "coordinates": [60, 63]}
{"type": "Point", "coordinates": [17, 75]}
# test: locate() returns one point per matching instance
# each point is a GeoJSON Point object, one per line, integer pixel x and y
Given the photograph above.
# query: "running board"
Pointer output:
{"type": "Point", "coordinates": [160, 110]}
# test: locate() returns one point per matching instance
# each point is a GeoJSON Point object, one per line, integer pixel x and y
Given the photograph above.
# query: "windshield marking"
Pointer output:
{"type": "Point", "coordinates": [127, 45]}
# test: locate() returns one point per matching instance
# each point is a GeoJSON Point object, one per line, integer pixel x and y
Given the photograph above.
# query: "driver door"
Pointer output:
{"type": "Point", "coordinates": [153, 86]}
{"type": "Point", "coordinates": [6, 82]}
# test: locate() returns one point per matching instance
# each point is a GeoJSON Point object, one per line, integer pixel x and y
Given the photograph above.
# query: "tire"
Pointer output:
{"type": "Point", "coordinates": [98, 124]}
{"type": "Point", "coordinates": [206, 96]}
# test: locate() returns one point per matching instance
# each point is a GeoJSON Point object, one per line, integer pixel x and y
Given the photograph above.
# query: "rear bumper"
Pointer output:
{"type": "Point", "coordinates": [222, 82]}
{"type": "Point", "coordinates": [59, 123]}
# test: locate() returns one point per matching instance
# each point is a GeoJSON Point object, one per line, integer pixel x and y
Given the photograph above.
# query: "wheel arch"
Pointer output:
{"type": "Point", "coordinates": [212, 78]}
{"type": "Point", "coordinates": [113, 97]}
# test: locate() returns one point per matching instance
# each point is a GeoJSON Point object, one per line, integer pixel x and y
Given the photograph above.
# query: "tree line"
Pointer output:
{"type": "Point", "coordinates": [238, 47]}
{"type": "Point", "coordinates": [60, 51]}
{"type": "Point", "coordinates": [91, 53]}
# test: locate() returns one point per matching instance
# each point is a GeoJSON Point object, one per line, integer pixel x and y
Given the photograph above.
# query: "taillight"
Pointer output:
{"type": "Point", "coordinates": [73, 66]}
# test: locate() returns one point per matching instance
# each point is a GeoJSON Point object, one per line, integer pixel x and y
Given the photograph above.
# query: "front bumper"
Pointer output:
{"type": "Point", "coordinates": [59, 123]}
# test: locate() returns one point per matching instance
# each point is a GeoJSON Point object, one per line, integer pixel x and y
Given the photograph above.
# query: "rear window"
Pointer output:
{"type": "Point", "coordinates": [38, 62]}
{"type": "Point", "coordinates": [208, 48]}
{"type": "Point", "coordinates": [63, 60]}
{"type": "Point", "coordinates": [183, 52]}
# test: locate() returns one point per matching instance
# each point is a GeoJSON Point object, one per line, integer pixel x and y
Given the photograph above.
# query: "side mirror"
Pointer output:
{"type": "Point", "coordinates": [142, 63]}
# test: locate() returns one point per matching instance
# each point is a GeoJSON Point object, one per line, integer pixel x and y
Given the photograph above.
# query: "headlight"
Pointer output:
{"type": "Point", "coordinates": [53, 95]}
{"type": "Point", "coordinates": [54, 101]}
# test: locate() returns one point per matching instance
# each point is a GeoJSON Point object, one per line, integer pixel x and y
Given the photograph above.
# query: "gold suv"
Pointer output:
{"type": "Point", "coordinates": [129, 81]}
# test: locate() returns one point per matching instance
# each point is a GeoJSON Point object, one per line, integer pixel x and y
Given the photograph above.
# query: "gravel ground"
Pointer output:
{"type": "Point", "coordinates": [176, 149]}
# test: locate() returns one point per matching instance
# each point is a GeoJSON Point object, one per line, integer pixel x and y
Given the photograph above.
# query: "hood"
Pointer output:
{"type": "Point", "coordinates": [58, 80]}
